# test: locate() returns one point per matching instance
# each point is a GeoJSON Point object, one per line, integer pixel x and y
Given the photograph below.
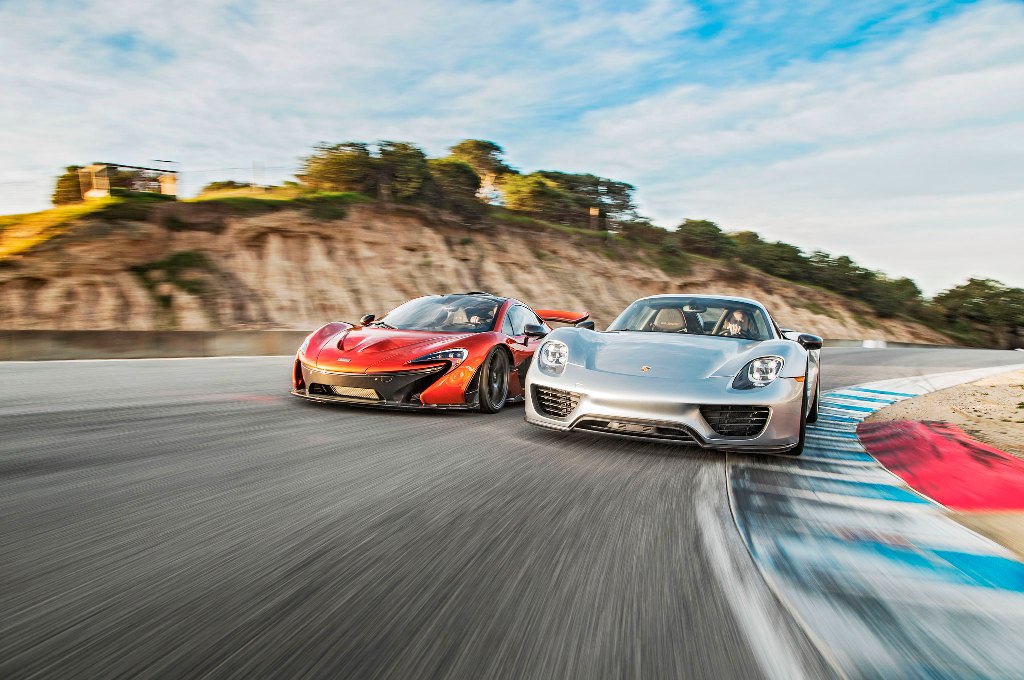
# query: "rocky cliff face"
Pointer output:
{"type": "Point", "coordinates": [195, 269]}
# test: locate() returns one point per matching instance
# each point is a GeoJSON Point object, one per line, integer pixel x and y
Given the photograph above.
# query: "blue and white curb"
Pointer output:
{"type": "Point", "coordinates": [878, 575]}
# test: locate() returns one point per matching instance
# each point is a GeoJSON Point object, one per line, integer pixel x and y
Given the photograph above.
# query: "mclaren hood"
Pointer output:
{"type": "Point", "coordinates": [358, 350]}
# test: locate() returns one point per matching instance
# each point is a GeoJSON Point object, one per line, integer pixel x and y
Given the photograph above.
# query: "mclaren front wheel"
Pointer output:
{"type": "Point", "coordinates": [494, 373]}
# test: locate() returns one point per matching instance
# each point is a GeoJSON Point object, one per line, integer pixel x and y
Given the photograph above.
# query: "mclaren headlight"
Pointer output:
{"type": "Point", "coordinates": [454, 357]}
{"type": "Point", "coordinates": [760, 372]}
{"type": "Point", "coordinates": [305, 343]}
{"type": "Point", "coordinates": [552, 356]}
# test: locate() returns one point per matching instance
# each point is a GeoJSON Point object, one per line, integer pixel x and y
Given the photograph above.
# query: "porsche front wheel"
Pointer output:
{"type": "Point", "coordinates": [799, 447]}
{"type": "Point", "coordinates": [494, 381]}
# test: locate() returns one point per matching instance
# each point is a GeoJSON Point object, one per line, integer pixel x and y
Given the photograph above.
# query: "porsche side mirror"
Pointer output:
{"type": "Point", "coordinates": [589, 325]}
{"type": "Point", "coordinates": [809, 341]}
{"type": "Point", "coordinates": [363, 320]}
{"type": "Point", "coordinates": [534, 330]}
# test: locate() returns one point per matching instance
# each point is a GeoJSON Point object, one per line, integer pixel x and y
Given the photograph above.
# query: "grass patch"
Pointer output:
{"type": "Point", "coordinates": [19, 233]}
{"type": "Point", "coordinates": [173, 270]}
{"type": "Point", "coordinates": [506, 216]}
{"type": "Point", "coordinates": [864, 321]}
{"type": "Point", "coordinates": [815, 308]}
{"type": "Point", "coordinates": [322, 205]}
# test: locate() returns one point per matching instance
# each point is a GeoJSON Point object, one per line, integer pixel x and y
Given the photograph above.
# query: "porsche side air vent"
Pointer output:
{"type": "Point", "coordinates": [554, 403]}
{"type": "Point", "coordinates": [731, 420]}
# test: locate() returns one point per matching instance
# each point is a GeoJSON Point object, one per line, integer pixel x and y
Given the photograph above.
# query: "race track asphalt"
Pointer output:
{"type": "Point", "coordinates": [184, 518]}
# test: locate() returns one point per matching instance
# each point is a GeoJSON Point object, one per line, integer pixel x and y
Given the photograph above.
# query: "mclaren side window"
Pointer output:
{"type": "Point", "coordinates": [445, 313]}
{"type": "Point", "coordinates": [696, 316]}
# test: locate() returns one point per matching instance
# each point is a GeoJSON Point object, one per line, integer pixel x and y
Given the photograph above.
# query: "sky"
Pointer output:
{"type": "Point", "coordinates": [892, 132]}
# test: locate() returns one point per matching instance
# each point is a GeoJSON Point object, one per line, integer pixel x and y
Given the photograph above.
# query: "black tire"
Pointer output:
{"type": "Point", "coordinates": [799, 448]}
{"type": "Point", "coordinates": [812, 417]}
{"type": "Point", "coordinates": [493, 385]}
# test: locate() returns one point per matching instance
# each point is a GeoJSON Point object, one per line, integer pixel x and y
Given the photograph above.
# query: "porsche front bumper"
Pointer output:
{"type": "Point", "coordinates": [653, 408]}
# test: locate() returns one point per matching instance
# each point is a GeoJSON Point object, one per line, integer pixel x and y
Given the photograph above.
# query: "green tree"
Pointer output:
{"type": "Point", "coordinates": [456, 183]}
{"type": "Point", "coordinates": [68, 189]}
{"type": "Point", "coordinates": [540, 197]}
{"type": "Point", "coordinates": [224, 185]}
{"type": "Point", "coordinates": [403, 174]}
{"type": "Point", "coordinates": [486, 158]}
{"type": "Point", "coordinates": [978, 300]}
{"type": "Point", "coordinates": [348, 166]}
{"type": "Point", "coordinates": [704, 238]}
{"type": "Point", "coordinates": [614, 199]}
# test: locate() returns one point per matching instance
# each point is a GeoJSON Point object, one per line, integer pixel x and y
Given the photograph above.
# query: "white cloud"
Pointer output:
{"type": "Point", "coordinates": [887, 152]}
{"type": "Point", "coordinates": [213, 86]}
{"type": "Point", "coordinates": [899, 156]}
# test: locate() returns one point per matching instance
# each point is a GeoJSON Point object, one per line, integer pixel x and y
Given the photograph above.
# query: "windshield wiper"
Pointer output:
{"type": "Point", "coordinates": [381, 324]}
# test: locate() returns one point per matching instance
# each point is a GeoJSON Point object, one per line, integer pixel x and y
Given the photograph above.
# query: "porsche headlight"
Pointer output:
{"type": "Point", "coordinates": [760, 372]}
{"type": "Point", "coordinates": [454, 356]}
{"type": "Point", "coordinates": [552, 356]}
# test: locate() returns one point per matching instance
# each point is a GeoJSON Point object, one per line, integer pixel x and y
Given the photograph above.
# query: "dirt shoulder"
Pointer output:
{"type": "Point", "coordinates": [991, 410]}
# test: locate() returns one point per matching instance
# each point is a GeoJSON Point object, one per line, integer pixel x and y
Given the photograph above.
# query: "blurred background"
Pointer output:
{"type": "Point", "coordinates": [869, 150]}
{"type": "Point", "coordinates": [184, 183]}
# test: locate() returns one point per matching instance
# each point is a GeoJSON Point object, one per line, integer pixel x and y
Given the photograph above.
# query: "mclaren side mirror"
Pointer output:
{"type": "Point", "coordinates": [589, 325]}
{"type": "Point", "coordinates": [534, 330]}
{"type": "Point", "coordinates": [809, 341]}
{"type": "Point", "coordinates": [363, 320]}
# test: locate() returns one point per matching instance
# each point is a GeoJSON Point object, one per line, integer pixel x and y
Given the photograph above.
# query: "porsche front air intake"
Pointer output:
{"type": "Point", "coordinates": [554, 403]}
{"type": "Point", "coordinates": [731, 420]}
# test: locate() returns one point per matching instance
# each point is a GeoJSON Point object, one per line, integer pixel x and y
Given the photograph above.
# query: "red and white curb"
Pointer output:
{"type": "Point", "coordinates": [878, 575]}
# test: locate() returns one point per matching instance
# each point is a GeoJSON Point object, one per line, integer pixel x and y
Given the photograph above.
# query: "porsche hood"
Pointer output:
{"type": "Point", "coordinates": [669, 356]}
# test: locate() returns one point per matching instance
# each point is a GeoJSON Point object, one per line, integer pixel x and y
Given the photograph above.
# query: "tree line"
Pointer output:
{"type": "Point", "coordinates": [474, 179]}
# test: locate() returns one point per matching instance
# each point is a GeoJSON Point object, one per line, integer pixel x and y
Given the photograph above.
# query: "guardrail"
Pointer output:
{"type": "Point", "coordinates": [56, 345]}
{"type": "Point", "coordinates": [49, 345]}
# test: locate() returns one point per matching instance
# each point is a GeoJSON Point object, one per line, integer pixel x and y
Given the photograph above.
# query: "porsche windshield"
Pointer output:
{"type": "Point", "coordinates": [695, 316]}
{"type": "Point", "coordinates": [448, 313]}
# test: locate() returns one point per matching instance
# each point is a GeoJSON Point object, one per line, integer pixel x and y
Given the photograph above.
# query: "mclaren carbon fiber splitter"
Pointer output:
{"type": "Point", "coordinates": [702, 370]}
{"type": "Point", "coordinates": [454, 351]}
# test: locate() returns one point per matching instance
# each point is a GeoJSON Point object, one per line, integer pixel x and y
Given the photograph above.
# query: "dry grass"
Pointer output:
{"type": "Point", "coordinates": [18, 233]}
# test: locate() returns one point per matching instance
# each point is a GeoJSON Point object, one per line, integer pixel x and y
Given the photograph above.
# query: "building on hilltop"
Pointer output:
{"type": "Point", "coordinates": [98, 179]}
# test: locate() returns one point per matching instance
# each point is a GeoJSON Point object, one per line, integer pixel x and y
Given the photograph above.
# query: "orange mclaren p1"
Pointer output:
{"type": "Point", "coordinates": [453, 351]}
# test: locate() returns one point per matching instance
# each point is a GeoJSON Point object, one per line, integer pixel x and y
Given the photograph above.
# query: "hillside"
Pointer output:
{"type": "Point", "coordinates": [223, 265]}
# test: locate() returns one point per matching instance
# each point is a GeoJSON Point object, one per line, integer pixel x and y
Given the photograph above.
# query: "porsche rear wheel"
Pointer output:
{"type": "Point", "coordinates": [494, 374]}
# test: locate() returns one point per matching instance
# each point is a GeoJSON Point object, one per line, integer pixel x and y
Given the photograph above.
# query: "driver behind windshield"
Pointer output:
{"type": "Point", "coordinates": [737, 324]}
{"type": "Point", "coordinates": [454, 313]}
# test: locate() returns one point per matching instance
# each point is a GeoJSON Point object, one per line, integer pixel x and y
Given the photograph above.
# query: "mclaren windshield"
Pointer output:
{"type": "Point", "coordinates": [445, 313]}
{"type": "Point", "coordinates": [696, 316]}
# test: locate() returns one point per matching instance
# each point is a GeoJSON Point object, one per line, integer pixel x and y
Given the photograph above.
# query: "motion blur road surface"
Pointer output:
{"type": "Point", "coordinates": [188, 517]}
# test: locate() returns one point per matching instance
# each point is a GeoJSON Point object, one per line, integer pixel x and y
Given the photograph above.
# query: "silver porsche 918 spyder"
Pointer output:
{"type": "Point", "coordinates": [702, 370]}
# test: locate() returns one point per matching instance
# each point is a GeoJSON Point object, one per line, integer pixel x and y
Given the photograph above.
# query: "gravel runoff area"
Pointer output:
{"type": "Point", "coordinates": [992, 411]}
